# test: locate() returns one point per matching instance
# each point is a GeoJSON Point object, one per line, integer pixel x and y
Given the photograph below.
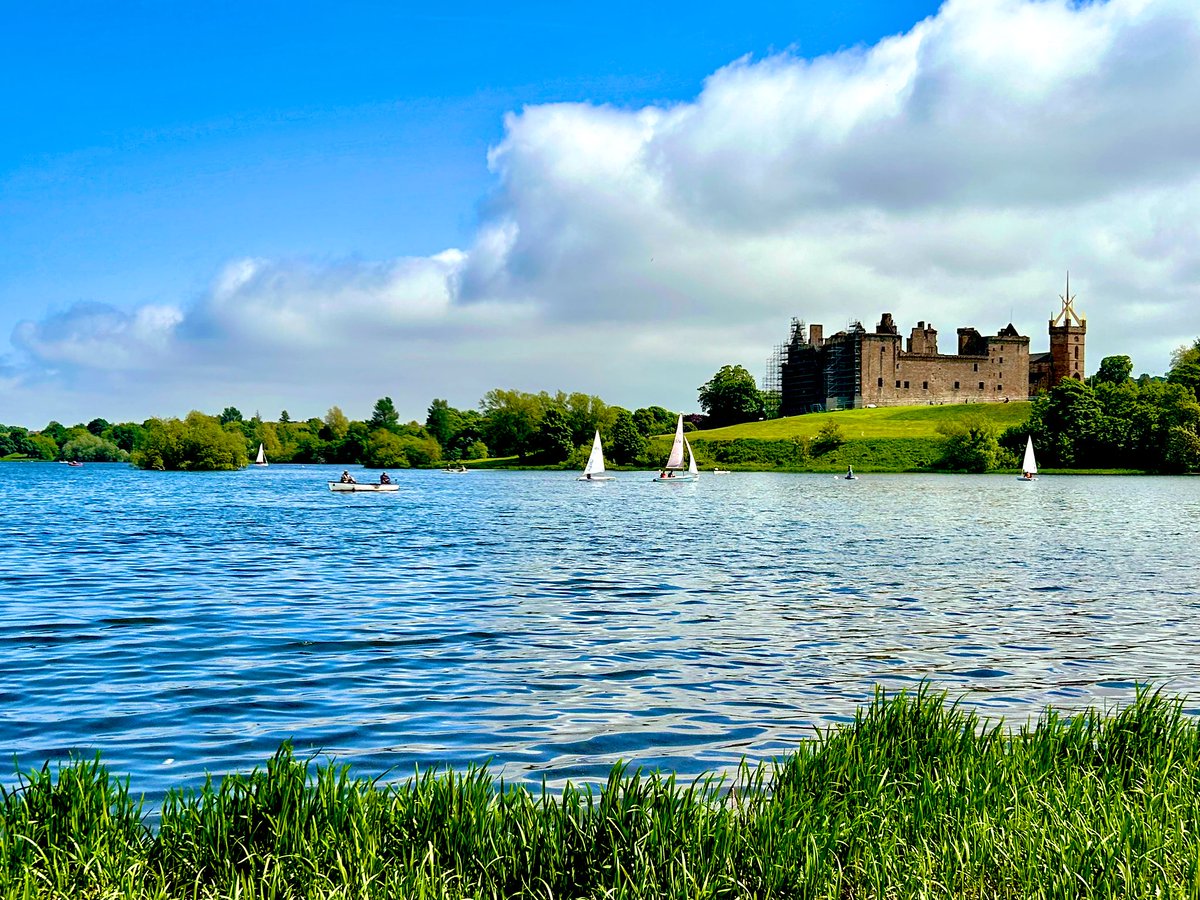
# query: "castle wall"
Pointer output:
{"type": "Point", "coordinates": [892, 377]}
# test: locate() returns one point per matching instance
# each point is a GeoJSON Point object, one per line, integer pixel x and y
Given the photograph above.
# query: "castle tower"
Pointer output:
{"type": "Point", "coordinates": [1068, 331]}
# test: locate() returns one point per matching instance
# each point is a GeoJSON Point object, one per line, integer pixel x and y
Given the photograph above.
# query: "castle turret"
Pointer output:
{"type": "Point", "coordinates": [1068, 333]}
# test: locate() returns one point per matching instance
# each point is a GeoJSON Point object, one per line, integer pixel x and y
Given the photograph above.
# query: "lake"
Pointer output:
{"type": "Point", "coordinates": [180, 623]}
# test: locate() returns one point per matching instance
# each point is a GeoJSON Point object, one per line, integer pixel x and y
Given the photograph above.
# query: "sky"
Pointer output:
{"type": "Point", "coordinates": [291, 206]}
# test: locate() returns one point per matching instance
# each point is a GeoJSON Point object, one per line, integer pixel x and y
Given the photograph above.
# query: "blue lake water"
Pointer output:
{"type": "Point", "coordinates": [182, 623]}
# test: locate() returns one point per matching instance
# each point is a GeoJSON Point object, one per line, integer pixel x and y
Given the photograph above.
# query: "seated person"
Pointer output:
{"type": "Point", "coordinates": [347, 478]}
{"type": "Point", "coordinates": [383, 479]}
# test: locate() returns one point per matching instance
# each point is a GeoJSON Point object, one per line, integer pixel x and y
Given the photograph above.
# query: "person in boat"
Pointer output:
{"type": "Point", "coordinates": [849, 471]}
{"type": "Point", "coordinates": [589, 476]}
{"type": "Point", "coordinates": [347, 478]}
{"type": "Point", "coordinates": [383, 479]}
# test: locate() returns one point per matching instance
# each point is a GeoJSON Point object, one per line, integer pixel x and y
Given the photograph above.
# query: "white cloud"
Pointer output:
{"type": "Point", "coordinates": [951, 174]}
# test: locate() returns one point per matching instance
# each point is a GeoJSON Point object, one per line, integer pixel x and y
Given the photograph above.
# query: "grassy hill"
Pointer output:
{"type": "Point", "coordinates": [885, 422]}
{"type": "Point", "coordinates": [891, 439]}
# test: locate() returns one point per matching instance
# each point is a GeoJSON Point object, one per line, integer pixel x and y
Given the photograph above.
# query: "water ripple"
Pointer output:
{"type": "Point", "coordinates": [180, 623]}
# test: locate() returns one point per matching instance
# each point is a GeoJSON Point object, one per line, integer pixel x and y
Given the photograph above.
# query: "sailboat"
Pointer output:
{"type": "Point", "coordinates": [261, 460]}
{"type": "Point", "coordinates": [594, 470]}
{"type": "Point", "coordinates": [1029, 465]}
{"type": "Point", "coordinates": [671, 471]}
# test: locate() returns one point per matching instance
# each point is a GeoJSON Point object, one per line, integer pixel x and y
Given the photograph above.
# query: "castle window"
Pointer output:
{"type": "Point", "coordinates": [981, 385]}
{"type": "Point", "coordinates": [976, 367]}
{"type": "Point", "coordinates": [924, 385]}
{"type": "Point", "coordinates": [956, 385]}
{"type": "Point", "coordinates": [1002, 360]}
{"type": "Point", "coordinates": [1000, 387]}
{"type": "Point", "coordinates": [1077, 353]}
{"type": "Point", "coordinates": [881, 382]}
{"type": "Point", "coordinates": [1077, 339]}
{"type": "Point", "coordinates": [897, 383]}
{"type": "Point", "coordinates": [906, 385]}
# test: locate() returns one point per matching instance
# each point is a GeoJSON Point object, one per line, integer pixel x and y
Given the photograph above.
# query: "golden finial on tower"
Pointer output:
{"type": "Point", "coordinates": [1068, 316]}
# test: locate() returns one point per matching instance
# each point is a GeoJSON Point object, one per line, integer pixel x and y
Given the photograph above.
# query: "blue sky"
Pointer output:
{"type": "Point", "coordinates": [295, 205]}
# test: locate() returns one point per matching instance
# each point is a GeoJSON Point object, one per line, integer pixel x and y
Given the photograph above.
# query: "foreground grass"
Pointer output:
{"type": "Point", "coordinates": [917, 798]}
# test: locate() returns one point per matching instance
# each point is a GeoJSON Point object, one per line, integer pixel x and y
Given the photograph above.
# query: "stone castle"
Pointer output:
{"type": "Point", "coordinates": [857, 368]}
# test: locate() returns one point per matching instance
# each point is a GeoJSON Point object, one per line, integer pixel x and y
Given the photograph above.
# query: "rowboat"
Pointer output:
{"type": "Point", "coordinates": [348, 487]}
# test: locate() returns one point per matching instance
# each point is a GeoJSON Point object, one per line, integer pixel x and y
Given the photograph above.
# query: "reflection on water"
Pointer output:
{"type": "Point", "coordinates": [554, 626]}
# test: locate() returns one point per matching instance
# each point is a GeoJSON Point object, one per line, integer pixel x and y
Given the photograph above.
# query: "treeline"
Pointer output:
{"type": "Point", "coordinates": [537, 429]}
{"type": "Point", "coordinates": [1111, 421]}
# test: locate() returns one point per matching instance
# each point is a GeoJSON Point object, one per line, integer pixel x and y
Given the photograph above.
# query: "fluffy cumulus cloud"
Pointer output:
{"type": "Point", "coordinates": [951, 173]}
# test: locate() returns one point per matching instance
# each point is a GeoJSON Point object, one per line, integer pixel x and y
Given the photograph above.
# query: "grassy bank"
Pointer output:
{"type": "Point", "coordinates": [892, 439]}
{"type": "Point", "coordinates": [916, 798]}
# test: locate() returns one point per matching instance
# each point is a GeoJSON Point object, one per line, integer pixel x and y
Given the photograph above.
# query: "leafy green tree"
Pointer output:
{"type": "Point", "coordinates": [731, 396]}
{"type": "Point", "coordinates": [1114, 370]}
{"type": "Point", "coordinates": [443, 422]}
{"type": "Point", "coordinates": [87, 447]}
{"type": "Point", "coordinates": [511, 422]}
{"type": "Point", "coordinates": [284, 417]}
{"type": "Point", "coordinates": [337, 424]}
{"type": "Point", "coordinates": [56, 432]}
{"type": "Point", "coordinates": [42, 446]}
{"type": "Point", "coordinates": [971, 446]}
{"type": "Point", "coordinates": [829, 438]}
{"type": "Point", "coordinates": [652, 420]}
{"type": "Point", "coordinates": [125, 435]}
{"type": "Point", "coordinates": [475, 450]}
{"type": "Point", "coordinates": [626, 442]}
{"type": "Point", "coordinates": [554, 442]}
{"type": "Point", "coordinates": [387, 450]}
{"type": "Point", "coordinates": [384, 415]}
{"type": "Point", "coordinates": [1069, 422]}
{"type": "Point", "coordinates": [1182, 452]}
{"type": "Point", "coordinates": [198, 443]}
{"type": "Point", "coordinates": [1185, 367]}
{"type": "Point", "coordinates": [230, 414]}
{"type": "Point", "coordinates": [98, 427]}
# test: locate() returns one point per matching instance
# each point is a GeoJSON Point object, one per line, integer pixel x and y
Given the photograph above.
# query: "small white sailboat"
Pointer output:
{"type": "Point", "coordinates": [673, 470]}
{"type": "Point", "coordinates": [594, 470]}
{"type": "Point", "coordinates": [1029, 464]}
{"type": "Point", "coordinates": [261, 459]}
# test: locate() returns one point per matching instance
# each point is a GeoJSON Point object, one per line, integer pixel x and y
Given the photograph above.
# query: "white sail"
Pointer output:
{"type": "Point", "coordinates": [262, 456]}
{"type": "Point", "coordinates": [692, 470]}
{"type": "Point", "coordinates": [675, 461]}
{"type": "Point", "coordinates": [1030, 463]}
{"type": "Point", "coordinates": [595, 463]}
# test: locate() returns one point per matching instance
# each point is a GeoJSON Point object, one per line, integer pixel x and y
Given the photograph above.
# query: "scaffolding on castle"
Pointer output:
{"type": "Point", "coordinates": [772, 382]}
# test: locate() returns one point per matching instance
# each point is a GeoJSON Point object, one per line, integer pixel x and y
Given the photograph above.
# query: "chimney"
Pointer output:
{"type": "Point", "coordinates": [816, 335]}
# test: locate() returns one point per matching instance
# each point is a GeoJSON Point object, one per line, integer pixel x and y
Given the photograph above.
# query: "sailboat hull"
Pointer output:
{"type": "Point", "coordinates": [681, 478]}
{"type": "Point", "coordinates": [596, 478]}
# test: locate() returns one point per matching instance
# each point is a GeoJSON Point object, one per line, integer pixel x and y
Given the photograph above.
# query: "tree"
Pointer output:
{"type": "Point", "coordinates": [653, 420]}
{"type": "Point", "coordinates": [554, 442]}
{"type": "Point", "coordinates": [87, 447]}
{"type": "Point", "coordinates": [971, 446]}
{"type": "Point", "coordinates": [829, 438]}
{"type": "Point", "coordinates": [511, 421]}
{"type": "Point", "coordinates": [1185, 367]}
{"type": "Point", "coordinates": [384, 415]}
{"type": "Point", "coordinates": [626, 443]}
{"type": "Point", "coordinates": [284, 418]}
{"type": "Point", "coordinates": [1114, 370]}
{"type": "Point", "coordinates": [230, 414]}
{"type": "Point", "coordinates": [198, 443]}
{"type": "Point", "coordinates": [731, 396]}
{"type": "Point", "coordinates": [442, 421]}
{"type": "Point", "coordinates": [98, 426]}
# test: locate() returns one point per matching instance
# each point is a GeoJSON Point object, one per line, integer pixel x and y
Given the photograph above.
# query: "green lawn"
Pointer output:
{"type": "Point", "coordinates": [885, 422]}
